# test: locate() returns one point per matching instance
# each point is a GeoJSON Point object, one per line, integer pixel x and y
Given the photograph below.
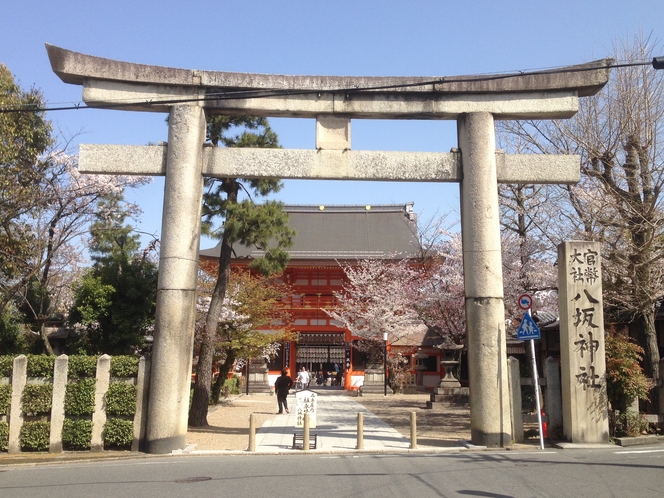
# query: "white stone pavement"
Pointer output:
{"type": "Point", "coordinates": [336, 428]}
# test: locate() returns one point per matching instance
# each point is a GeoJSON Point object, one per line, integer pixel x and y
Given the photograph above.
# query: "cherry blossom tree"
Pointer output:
{"type": "Point", "coordinates": [403, 297]}
{"type": "Point", "coordinates": [439, 293]}
{"type": "Point", "coordinates": [70, 202]}
{"type": "Point", "coordinates": [375, 300]}
{"type": "Point", "coordinates": [528, 267]}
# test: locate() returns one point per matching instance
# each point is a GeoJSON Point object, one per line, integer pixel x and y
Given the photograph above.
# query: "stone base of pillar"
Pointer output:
{"type": "Point", "coordinates": [494, 440]}
{"type": "Point", "coordinates": [258, 379]}
{"type": "Point", "coordinates": [374, 382]}
{"type": "Point", "coordinates": [458, 397]}
{"type": "Point", "coordinates": [448, 382]}
{"type": "Point", "coordinates": [166, 445]}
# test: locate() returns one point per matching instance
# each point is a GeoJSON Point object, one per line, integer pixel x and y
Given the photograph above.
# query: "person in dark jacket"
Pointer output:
{"type": "Point", "coordinates": [281, 386]}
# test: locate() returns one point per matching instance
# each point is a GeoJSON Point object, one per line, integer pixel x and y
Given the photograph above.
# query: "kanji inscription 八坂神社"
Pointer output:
{"type": "Point", "coordinates": [583, 366]}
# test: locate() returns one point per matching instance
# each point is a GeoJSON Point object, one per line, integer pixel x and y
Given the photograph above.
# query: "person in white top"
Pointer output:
{"type": "Point", "coordinates": [303, 378]}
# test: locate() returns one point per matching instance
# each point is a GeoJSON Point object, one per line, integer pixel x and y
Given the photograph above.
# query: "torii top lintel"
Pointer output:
{"type": "Point", "coordinates": [115, 84]}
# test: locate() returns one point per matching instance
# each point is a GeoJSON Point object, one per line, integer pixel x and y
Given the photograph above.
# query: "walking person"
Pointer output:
{"type": "Point", "coordinates": [303, 378]}
{"type": "Point", "coordinates": [281, 386]}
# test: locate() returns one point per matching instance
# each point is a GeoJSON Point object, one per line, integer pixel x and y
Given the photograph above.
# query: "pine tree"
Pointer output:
{"type": "Point", "coordinates": [245, 222]}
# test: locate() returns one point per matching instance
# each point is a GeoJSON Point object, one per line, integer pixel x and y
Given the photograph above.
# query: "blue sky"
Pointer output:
{"type": "Point", "coordinates": [341, 37]}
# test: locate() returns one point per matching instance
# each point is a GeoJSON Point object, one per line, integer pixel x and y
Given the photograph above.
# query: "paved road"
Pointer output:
{"type": "Point", "coordinates": [577, 473]}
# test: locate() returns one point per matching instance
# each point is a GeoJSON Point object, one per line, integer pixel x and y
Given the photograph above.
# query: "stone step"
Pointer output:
{"type": "Point", "coordinates": [450, 391]}
{"type": "Point", "coordinates": [639, 440]}
{"type": "Point", "coordinates": [449, 398]}
{"type": "Point", "coordinates": [442, 405]}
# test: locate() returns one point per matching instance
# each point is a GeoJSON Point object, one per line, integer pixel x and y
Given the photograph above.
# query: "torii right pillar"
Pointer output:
{"type": "Point", "coordinates": [490, 421]}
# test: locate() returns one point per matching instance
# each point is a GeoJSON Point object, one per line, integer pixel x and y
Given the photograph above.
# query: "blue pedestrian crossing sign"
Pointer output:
{"type": "Point", "coordinates": [528, 329]}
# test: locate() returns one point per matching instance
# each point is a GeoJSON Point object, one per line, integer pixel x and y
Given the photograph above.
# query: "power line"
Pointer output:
{"type": "Point", "coordinates": [657, 63]}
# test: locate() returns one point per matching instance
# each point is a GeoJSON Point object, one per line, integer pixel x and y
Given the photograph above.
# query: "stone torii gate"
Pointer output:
{"type": "Point", "coordinates": [189, 95]}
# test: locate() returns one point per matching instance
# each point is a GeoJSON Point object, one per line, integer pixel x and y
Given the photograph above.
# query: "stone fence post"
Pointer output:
{"type": "Point", "coordinates": [514, 377]}
{"type": "Point", "coordinates": [58, 403]}
{"type": "Point", "coordinates": [141, 415]}
{"type": "Point", "coordinates": [19, 379]}
{"type": "Point", "coordinates": [99, 416]}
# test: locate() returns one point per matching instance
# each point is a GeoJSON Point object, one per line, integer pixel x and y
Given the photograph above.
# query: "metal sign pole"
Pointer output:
{"type": "Point", "coordinates": [536, 384]}
{"type": "Point", "coordinates": [528, 330]}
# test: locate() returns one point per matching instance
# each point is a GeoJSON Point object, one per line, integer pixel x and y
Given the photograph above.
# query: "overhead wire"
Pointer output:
{"type": "Point", "coordinates": [657, 63]}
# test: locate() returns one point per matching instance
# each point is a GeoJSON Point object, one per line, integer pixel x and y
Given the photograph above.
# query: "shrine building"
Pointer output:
{"type": "Point", "coordinates": [328, 238]}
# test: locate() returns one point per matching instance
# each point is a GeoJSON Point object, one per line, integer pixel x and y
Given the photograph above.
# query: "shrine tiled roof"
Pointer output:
{"type": "Point", "coordinates": [345, 232]}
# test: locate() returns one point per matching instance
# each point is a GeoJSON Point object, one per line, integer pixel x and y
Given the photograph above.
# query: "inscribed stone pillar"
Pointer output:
{"type": "Point", "coordinates": [483, 282]}
{"type": "Point", "coordinates": [583, 364]}
{"type": "Point", "coordinates": [176, 290]}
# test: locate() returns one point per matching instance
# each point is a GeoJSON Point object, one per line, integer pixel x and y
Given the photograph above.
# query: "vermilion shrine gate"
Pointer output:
{"type": "Point", "coordinates": [188, 96]}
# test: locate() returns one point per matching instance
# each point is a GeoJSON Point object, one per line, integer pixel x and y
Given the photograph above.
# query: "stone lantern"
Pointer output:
{"type": "Point", "coordinates": [448, 392]}
{"type": "Point", "coordinates": [449, 362]}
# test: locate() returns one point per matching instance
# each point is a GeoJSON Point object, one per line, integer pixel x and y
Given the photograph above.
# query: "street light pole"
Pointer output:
{"type": "Point", "coordinates": [385, 363]}
{"type": "Point", "coordinates": [247, 386]}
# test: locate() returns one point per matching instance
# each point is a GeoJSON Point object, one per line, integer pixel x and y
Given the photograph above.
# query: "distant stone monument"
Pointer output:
{"type": "Point", "coordinates": [374, 380]}
{"type": "Point", "coordinates": [189, 96]}
{"type": "Point", "coordinates": [583, 364]}
{"type": "Point", "coordinates": [258, 380]}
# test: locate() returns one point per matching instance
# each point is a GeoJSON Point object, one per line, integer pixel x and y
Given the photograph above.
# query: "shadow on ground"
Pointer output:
{"type": "Point", "coordinates": [439, 428]}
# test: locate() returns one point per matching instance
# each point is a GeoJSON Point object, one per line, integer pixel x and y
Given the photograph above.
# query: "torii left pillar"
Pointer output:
{"type": "Point", "coordinates": [176, 290]}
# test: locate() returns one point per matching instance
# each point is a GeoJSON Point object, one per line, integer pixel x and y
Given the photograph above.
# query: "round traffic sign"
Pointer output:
{"type": "Point", "coordinates": [525, 302]}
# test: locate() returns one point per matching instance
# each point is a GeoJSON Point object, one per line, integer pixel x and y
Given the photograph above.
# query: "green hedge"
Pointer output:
{"type": "Point", "coordinates": [79, 402]}
{"type": "Point", "coordinates": [233, 385]}
{"type": "Point", "coordinates": [37, 399]}
{"type": "Point", "coordinates": [4, 436]}
{"type": "Point", "coordinates": [80, 397]}
{"type": "Point", "coordinates": [81, 366]}
{"type": "Point", "coordinates": [40, 365]}
{"type": "Point", "coordinates": [35, 436]}
{"type": "Point", "coordinates": [5, 398]}
{"type": "Point", "coordinates": [76, 434]}
{"type": "Point", "coordinates": [6, 365]}
{"type": "Point", "coordinates": [124, 366]}
{"type": "Point", "coordinates": [118, 433]}
{"type": "Point", "coordinates": [121, 399]}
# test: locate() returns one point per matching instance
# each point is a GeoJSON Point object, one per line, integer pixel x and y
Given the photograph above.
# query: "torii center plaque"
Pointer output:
{"type": "Point", "coordinates": [188, 96]}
